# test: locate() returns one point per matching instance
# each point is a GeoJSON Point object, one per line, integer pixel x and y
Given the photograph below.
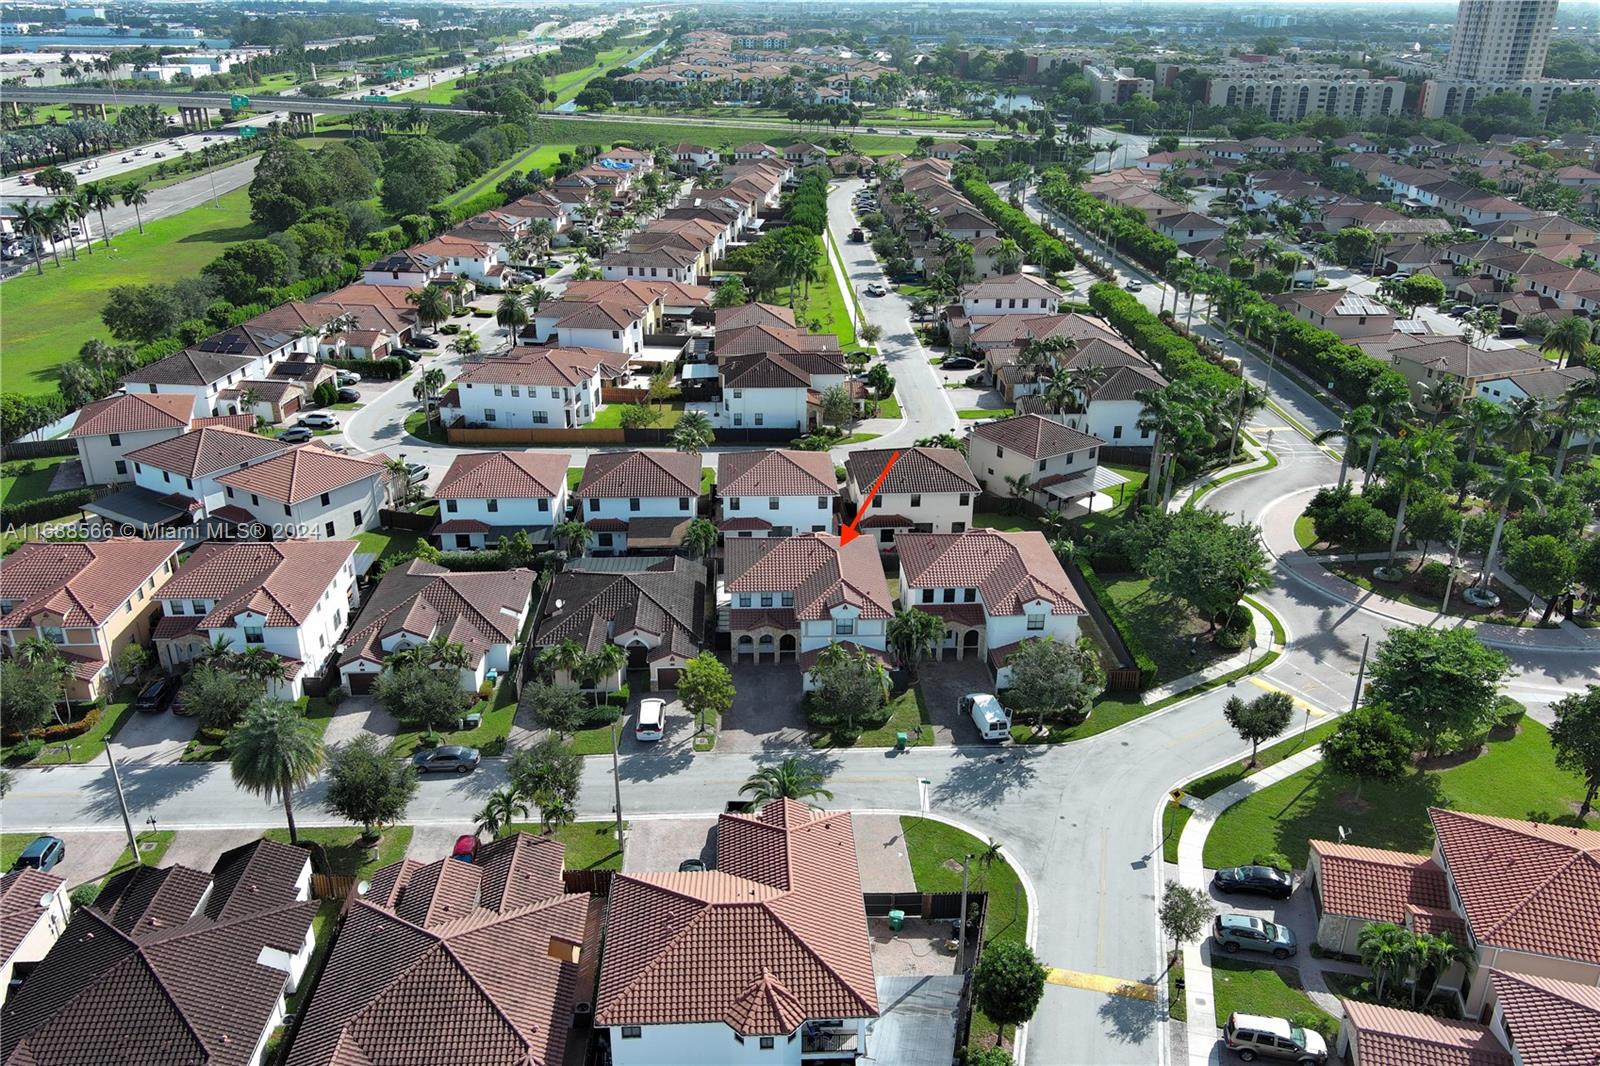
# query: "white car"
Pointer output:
{"type": "Point", "coordinates": [349, 377]}
{"type": "Point", "coordinates": [320, 420]}
{"type": "Point", "coordinates": [876, 289]}
{"type": "Point", "coordinates": [651, 725]}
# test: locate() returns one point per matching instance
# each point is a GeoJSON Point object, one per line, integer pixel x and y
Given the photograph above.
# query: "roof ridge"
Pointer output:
{"type": "Point", "coordinates": [805, 944]}
{"type": "Point", "coordinates": [1515, 911]}
{"type": "Point", "coordinates": [494, 1004]}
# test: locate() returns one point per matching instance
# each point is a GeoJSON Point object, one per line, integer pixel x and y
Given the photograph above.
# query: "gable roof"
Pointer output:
{"type": "Point", "coordinates": [1009, 570]}
{"type": "Point", "coordinates": [283, 580]}
{"type": "Point", "coordinates": [1524, 885]}
{"type": "Point", "coordinates": [1388, 1036]}
{"type": "Point", "coordinates": [776, 472]}
{"type": "Point", "coordinates": [622, 475]}
{"type": "Point", "coordinates": [1036, 436]}
{"type": "Point", "coordinates": [134, 412]}
{"type": "Point", "coordinates": [820, 573]}
{"type": "Point", "coordinates": [20, 892]}
{"type": "Point", "coordinates": [478, 610]}
{"type": "Point", "coordinates": [188, 367]}
{"type": "Point", "coordinates": [206, 450]}
{"type": "Point", "coordinates": [83, 581]}
{"type": "Point", "coordinates": [1377, 885]}
{"type": "Point", "coordinates": [543, 366]}
{"type": "Point", "coordinates": [451, 964]}
{"type": "Point", "coordinates": [590, 606]}
{"type": "Point", "coordinates": [1554, 1023]}
{"type": "Point", "coordinates": [1011, 285]}
{"type": "Point", "coordinates": [920, 469]}
{"type": "Point", "coordinates": [525, 475]}
{"type": "Point", "coordinates": [774, 936]}
{"type": "Point", "coordinates": [304, 472]}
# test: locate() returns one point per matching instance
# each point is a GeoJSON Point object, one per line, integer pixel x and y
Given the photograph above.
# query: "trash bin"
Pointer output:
{"type": "Point", "coordinates": [901, 740]}
{"type": "Point", "coordinates": [471, 721]}
{"type": "Point", "coordinates": [897, 919]}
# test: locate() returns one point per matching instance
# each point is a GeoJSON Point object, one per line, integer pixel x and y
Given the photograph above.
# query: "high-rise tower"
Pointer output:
{"type": "Point", "coordinates": [1500, 39]}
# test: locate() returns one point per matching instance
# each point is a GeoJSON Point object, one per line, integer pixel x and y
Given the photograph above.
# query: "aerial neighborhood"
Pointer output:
{"type": "Point", "coordinates": [655, 536]}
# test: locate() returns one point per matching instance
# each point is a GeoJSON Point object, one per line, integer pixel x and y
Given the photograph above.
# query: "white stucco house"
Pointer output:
{"type": "Point", "coordinates": [310, 491]}
{"type": "Point", "coordinates": [636, 499]}
{"type": "Point", "coordinates": [928, 490]}
{"type": "Point", "coordinates": [1006, 294]}
{"type": "Point", "coordinates": [776, 390]}
{"type": "Point", "coordinates": [537, 388]}
{"type": "Point", "coordinates": [776, 493]}
{"type": "Point", "coordinates": [1057, 463]}
{"type": "Point", "coordinates": [489, 495]}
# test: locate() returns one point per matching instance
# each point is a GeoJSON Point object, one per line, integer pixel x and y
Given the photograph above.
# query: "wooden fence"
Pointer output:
{"type": "Point", "coordinates": [38, 449]}
{"type": "Point", "coordinates": [1125, 677]}
{"type": "Point", "coordinates": [583, 437]}
{"type": "Point", "coordinates": [417, 523]}
{"type": "Point", "coordinates": [332, 886]}
{"type": "Point", "coordinates": [595, 882]}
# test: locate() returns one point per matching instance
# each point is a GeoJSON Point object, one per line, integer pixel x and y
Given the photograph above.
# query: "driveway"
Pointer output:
{"type": "Point", "coordinates": [199, 849]}
{"type": "Point", "coordinates": [766, 712]}
{"type": "Point", "coordinates": [90, 856]}
{"type": "Point", "coordinates": [658, 845]}
{"type": "Point", "coordinates": [357, 715]}
{"type": "Point", "coordinates": [944, 683]}
{"type": "Point", "coordinates": [153, 737]}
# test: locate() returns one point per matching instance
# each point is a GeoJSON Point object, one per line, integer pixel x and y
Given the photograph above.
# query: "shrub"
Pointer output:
{"type": "Point", "coordinates": [1433, 577]}
{"type": "Point", "coordinates": [26, 750]}
{"type": "Point", "coordinates": [85, 894]}
{"type": "Point", "coordinates": [1508, 712]}
{"type": "Point", "coordinates": [1273, 858]}
{"type": "Point", "coordinates": [44, 508]}
{"type": "Point", "coordinates": [1318, 1022]}
{"type": "Point", "coordinates": [1039, 245]}
{"type": "Point", "coordinates": [1174, 356]}
{"type": "Point", "coordinates": [1142, 659]}
{"type": "Point", "coordinates": [59, 731]}
{"type": "Point", "coordinates": [389, 369]}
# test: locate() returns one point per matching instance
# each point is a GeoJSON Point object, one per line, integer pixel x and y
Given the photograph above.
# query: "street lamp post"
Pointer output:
{"type": "Point", "coordinates": [122, 802]}
{"type": "Point", "coordinates": [1361, 671]}
{"type": "Point", "coordinates": [616, 782]}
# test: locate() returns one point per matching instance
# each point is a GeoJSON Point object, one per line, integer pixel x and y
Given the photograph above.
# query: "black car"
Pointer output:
{"type": "Point", "coordinates": [158, 695]}
{"type": "Point", "coordinates": [349, 395]}
{"type": "Point", "coordinates": [407, 354]}
{"type": "Point", "coordinates": [958, 362]}
{"type": "Point", "coordinates": [1261, 880]}
{"type": "Point", "coordinates": [691, 866]}
{"type": "Point", "coordinates": [425, 342]}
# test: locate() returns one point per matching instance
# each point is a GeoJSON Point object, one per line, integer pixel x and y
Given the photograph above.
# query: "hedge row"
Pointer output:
{"type": "Point", "coordinates": [1127, 227]}
{"type": "Point", "coordinates": [1141, 658]}
{"type": "Point", "coordinates": [388, 369]}
{"type": "Point", "coordinates": [1175, 356]}
{"type": "Point", "coordinates": [1041, 248]}
{"type": "Point", "coordinates": [59, 730]}
{"type": "Point", "coordinates": [44, 508]}
{"type": "Point", "coordinates": [1327, 359]}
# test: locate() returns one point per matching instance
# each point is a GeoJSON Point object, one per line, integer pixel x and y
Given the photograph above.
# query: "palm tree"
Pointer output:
{"type": "Point", "coordinates": [790, 779]}
{"type": "Point", "coordinates": [441, 651]}
{"type": "Point", "coordinates": [572, 537]}
{"type": "Point", "coordinates": [596, 667]}
{"type": "Point", "coordinates": [1391, 406]}
{"type": "Point", "coordinates": [1355, 428]}
{"type": "Point", "coordinates": [220, 650]}
{"type": "Point", "coordinates": [500, 811]}
{"type": "Point", "coordinates": [566, 656]}
{"type": "Point", "coordinates": [36, 221]}
{"type": "Point", "coordinates": [700, 539]}
{"type": "Point", "coordinates": [535, 296]}
{"type": "Point", "coordinates": [1518, 484]}
{"type": "Point", "coordinates": [134, 196]}
{"type": "Point", "coordinates": [1569, 339]}
{"type": "Point", "coordinates": [555, 812]}
{"type": "Point", "coordinates": [1388, 950]}
{"type": "Point", "coordinates": [511, 315]}
{"type": "Point", "coordinates": [1444, 397]}
{"type": "Point", "coordinates": [101, 197]}
{"type": "Point", "coordinates": [1436, 954]}
{"type": "Point", "coordinates": [257, 664]}
{"type": "Point", "coordinates": [1478, 420]}
{"type": "Point", "coordinates": [693, 432]}
{"type": "Point", "coordinates": [1411, 463]}
{"type": "Point", "coordinates": [913, 634]}
{"type": "Point", "coordinates": [432, 305]}
{"type": "Point", "coordinates": [1585, 421]}
{"type": "Point", "coordinates": [1578, 394]}
{"type": "Point", "coordinates": [1251, 400]}
{"type": "Point", "coordinates": [427, 389]}
{"type": "Point", "coordinates": [1524, 428]}
{"type": "Point", "coordinates": [273, 751]}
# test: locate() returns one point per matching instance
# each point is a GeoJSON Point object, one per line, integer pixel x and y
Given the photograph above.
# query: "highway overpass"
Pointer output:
{"type": "Point", "coordinates": [328, 105]}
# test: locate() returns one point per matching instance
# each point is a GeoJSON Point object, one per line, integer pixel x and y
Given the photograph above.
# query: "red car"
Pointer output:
{"type": "Point", "coordinates": [466, 848]}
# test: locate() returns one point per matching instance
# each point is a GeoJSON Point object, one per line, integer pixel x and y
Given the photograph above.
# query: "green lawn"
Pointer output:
{"type": "Point", "coordinates": [935, 851]}
{"type": "Point", "coordinates": [889, 408]}
{"type": "Point", "coordinates": [876, 117]}
{"type": "Point", "coordinates": [1167, 629]}
{"type": "Point", "coordinates": [821, 303]}
{"type": "Point", "coordinates": [345, 852]}
{"type": "Point", "coordinates": [1514, 778]}
{"type": "Point", "coordinates": [48, 317]}
{"type": "Point", "coordinates": [91, 744]}
{"type": "Point", "coordinates": [388, 543]}
{"type": "Point", "coordinates": [986, 412]}
{"type": "Point", "coordinates": [440, 92]}
{"type": "Point", "coordinates": [11, 845]}
{"type": "Point", "coordinates": [28, 479]}
{"type": "Point", "coordinates": [543, 156]}
{"type": "Point", "coordinates": [610, 416]}
{"type": "Point", "coordinates": [590, 845]}
{"type": "Point", "coordinates": [498, 714]}
{"type": "Point", "coordinates": [859, 438]}
{"type": "Point", "coordinates": [571, 83]}
{"type": "Point", "coordinates": [1305, 533]}
{"type": "Point", "coordinates": [1245, 988]}
{"type": "Point", "coordinates": [322, 927]}
{"type": "Point", "coordinates": [419, 425]}
{"type": "Point", "coordinates": [908, 713]}
{"type": "Point", "coordinates": [153, 845]}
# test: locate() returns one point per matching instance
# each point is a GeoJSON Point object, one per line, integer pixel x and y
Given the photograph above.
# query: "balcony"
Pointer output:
{"type": "Point", "coordinates": [821, 1043]}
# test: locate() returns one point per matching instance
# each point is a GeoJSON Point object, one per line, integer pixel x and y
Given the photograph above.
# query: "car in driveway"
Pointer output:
{"type": "Point", "coordinates": [42, 853]}
{"type": "Point", "coordinates": [296, 435]}
{"type": "Point", "coordinates": [347, 377]}
{"type": "Point", "coordinates": [349, 394]}
{"type": "Point", "coordinates": [447, 758]}
{"type": "Point", "coordinates": [157, 696]}
{"type": "Point", "coordinates": [320, 420]}
{"type": "Point", "coordinates": [1259, 880]}
{"type": "Point", "coordinates": [958, 362]}
{"type": "Point", "coordinates": [652, 722]}
{"type": "Point", "coordinates": [1245, 932]}
{"type": "Point", "coordinates": [1255, 1036]}
{"type": "Point", "coordinates": [876, 288]}
{"type": "Point", "coordinates": [422, 341]}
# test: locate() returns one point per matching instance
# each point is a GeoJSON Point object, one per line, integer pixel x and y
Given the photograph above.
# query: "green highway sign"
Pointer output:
{"type": "Point", "coordinates": [239, 103]}
{"type": "Point", "coordinates": [389, 72]}
{"type": "Point", "coordinates": [246, 132]}
{"type": "Point", "coordinates": [406, 72]}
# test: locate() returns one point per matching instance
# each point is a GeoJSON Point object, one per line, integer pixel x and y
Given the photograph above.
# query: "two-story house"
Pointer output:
{"type": "Point", "coordinates": [36, 912]}
{"type": "Point", "coordinates": [653, 609]}
{"type": "Point", "coordinates": [107, 430]}
{"type": "Point", "coordinates": [417, 601]}
{"type": "Point", "coordinates": [693, 157]}
{"type": "Point", "coordinates": [611, 325]}
{"type": "Point", "coordinates": [765, 960]}
{"type": "Point", "coordinates": [777, 391]}
{"type": "Point", "coordinates": [311, 491]}
{"type": "Point", "coordinates": [1190, 228]}
{"type": "Point", "coordinates": [637, 499]}
{"type": "Point", "coordinates": [554, 388]}
{"type": "Point", "coordinates": [1011, 294]}
{"type": "Point", "coordinates": [292, 598]}
{"type": "Point", "coordinates": [485, 496]}
{"type": "Point", "coordinates": [1339, 311]}
{"type": "Point", "coordinates": [91, 599]}
{"type": "Point", "coordinates": [992, 590]}
{"type": "Point", "coordinates": [481, 262]}
{"type": "Point", "coordinates": [1037, 459]}
{"type": "Point", "coordinates": [196, 374]}
{"type": "Point", "coordinates": [406, 268]}
{"type": "Point", "coordinates": [776, 493]}
{"type": "Point", "coordinates": [786, 599]}
{"type": "Point", "coordinates": [175, 481]}
{"type": "Point", "coordinates": [927, 490]}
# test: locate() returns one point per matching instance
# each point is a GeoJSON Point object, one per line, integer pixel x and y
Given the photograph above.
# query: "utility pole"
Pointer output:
{"type": "Point", "coordinates": [1449, 584]}
{"type": "Point", "coordinates": [1361, 671]}
{"type": "Point", "coordinates": [122, 802]}
{"type": "Point", "coordinates": [616, 782]}
{"type": "Point", "coordinates": [961, 935]}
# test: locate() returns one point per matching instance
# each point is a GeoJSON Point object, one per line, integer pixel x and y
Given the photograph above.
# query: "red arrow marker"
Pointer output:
{"type": "Point", "coordinates": [849, 532]}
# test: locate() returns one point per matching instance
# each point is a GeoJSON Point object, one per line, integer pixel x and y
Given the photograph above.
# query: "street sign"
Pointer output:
{"type": "Point", "coordinates": [389, 72]}
{"type": "Point", "coordinates": [246, 133]}
{"type": "Point", "coordinates": [1175, 798]}
{"type": "Point", "coordinates": [407, 72]}
{"type": "Point", "coordinates": [238, 103]}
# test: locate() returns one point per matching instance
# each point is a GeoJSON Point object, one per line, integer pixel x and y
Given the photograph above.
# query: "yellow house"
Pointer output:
{"type": "Point", "coordinates": [89, 598]}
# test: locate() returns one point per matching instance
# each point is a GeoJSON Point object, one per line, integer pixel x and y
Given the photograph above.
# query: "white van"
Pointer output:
{"type": "Point", "coordinates": [652, 720]}
{"type": "Point", "coordinates": [991, 719]}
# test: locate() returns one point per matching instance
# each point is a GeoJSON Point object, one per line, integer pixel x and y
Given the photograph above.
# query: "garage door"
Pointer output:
{"type": "Point", "coordinates": [291, 405]}
{"type": "Point", "coordinates": [666, 678]}
{"type": "Point", "coordinates": [361, 684]}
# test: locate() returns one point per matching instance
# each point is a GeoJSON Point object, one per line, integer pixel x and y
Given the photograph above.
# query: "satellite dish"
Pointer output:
{"type": "Point", "coordinates": [363, 887]}
{"type": "Point", "coordinates": [46, 899]}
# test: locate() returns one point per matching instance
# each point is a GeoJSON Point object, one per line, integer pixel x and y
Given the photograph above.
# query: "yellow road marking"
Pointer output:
{"type": "Point", "coordinates": [1096, 982]}
{"type": "Point", "coordinates": [1302, 704]}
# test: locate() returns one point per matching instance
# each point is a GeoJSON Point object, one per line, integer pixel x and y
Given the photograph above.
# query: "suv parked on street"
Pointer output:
{"type": "Point", "coordinates": [1243, 932]}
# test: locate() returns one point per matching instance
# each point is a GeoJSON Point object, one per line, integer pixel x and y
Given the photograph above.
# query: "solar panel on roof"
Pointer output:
{"type": "Point", "coordinates": [226, 344]}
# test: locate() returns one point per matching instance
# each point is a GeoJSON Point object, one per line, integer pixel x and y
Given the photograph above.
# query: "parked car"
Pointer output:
{"type": "Point", "coordinates": [449, 758]}
{"type": "Point", "coordinates": [1261, 880]}
{"type": "Point", "coordinates": [417, 471]}
{"type": "Point", "coordinates": [1253, 1036]}
{"type": "Point", "coordinates": [651, 725]}
{"type": "Point", "coordinates": [422, 341]}
{"type": "Point", "coordinates": [349, 395]}
{"type": "Point", "coordinates": [958, 362]}
{"type": "Point", "coordinates": [691, 866]}
{"type": "Point", "coordinates": [407, 354]}
{"type": "Point", "coordinates": [876, 288]}
{"type": "Point", "coordinates": [296, 435]}
{"type": "Point", "coordinates": [1134, 285]}
{"type": "Point", "coordinates": [158, 695]}
{"type": "Point", "coordinates": [1460, 310]}
{"type": "Point", "coordinates": [986, 713]}
{"type": "Point", "coordinates": [348, 377]}
{"type": "Point", "coordinates": [1510, 329]}
{"type": "Point", "coordinates": [975, 381]}
{"type": "Point", "coordinates": [1244, 932]}
{"type": "Point", "coordinates": [857, 236]}
{"type": "Point", "coordinates": [466, 848]}
{"type": "Point", "coordinates": [43, 853]}
{"type": "Point", "coordinates": [320, 420]}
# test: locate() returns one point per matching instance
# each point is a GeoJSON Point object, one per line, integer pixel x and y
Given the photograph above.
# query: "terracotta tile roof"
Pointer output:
{"type": "Point", "coordinates": [451, 964]}
{"type": "Point", "coordinates": [884, 521]}
{"type": "Point", "coordinates": [606, 525]}
{"type": "Point", "coordinates": [614, 475]}
{"type": "Point", "coordinates": [206, 450]}
{"type": "Point", "coordinates": [1375, 884]}
{"type": "Point", "coordinates": [241, 422]}
{"type": "Point", "coordinates": [775, 935]}
{"type": "Point", "coordinates": [658, 531]}
{"type": "Point", "coordinates": [142, 977]}
{"type": "Point", "coordinates": [1009, 570]}
{"type": "Point", "coordinates": [1036, 436]}
{"type": "Point", "coordinates": [134, 412]}
{"type": "Point", "coordinates": [812, 566]}
{"type": "Point", "coordinates": [814, 353]}
{"type": "Point", "coordinates": [1552, 1023]}
{"type": "Point", "coordinates": [1523, 885]}
{"type": "Point", "coordinates": [523, 475]}
{"type": "Point", "coordinates": [778, 370]}
{"type": "Point", "coordinates": [283, 580]}
{"type": "Point", "coordinates": [754, 314]}
{"type": "Point", "coordinates": [20, 892]}
{"type": "Point", "coordinates": [734, 525]}
{"type": "Point", "coordinates": [917, 470]}
{"type": "Point", "coordinates": [304, 472]}
{"type": "Point", "coordinates": [477, 610]}
{"type": "Point", "coordinates": [778, 472]}
{"type": "Point", "coordinates": [594, 607]}
{"type": "Point", "coordinates": [83, 581]}
{"type": "Point", "coordinates": [1386, 1036]}
{"type": "Point", "coordinates": [1011, 330]}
